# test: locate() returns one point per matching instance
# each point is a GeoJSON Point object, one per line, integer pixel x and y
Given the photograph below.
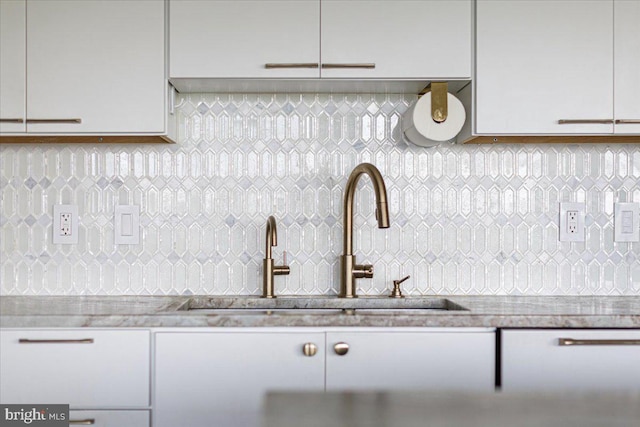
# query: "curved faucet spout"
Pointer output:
{"type": "Point", "coordinates": [349, 269]}
{"type": "Point", "coordinates": [271, 236]}
{"type": "Point", "coordinates": [382, 210]}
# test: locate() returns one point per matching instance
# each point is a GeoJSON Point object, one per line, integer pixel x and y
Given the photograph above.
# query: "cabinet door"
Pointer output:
{"type": "Point", "coordinates": [538, 62]}
{"type": "Point", "coordinates": [411, 361]}
{"type": "Point", "coordinates": [219, 379]}
{"type": "Point", "coordinates": [98, 61]}
{"type": "Point", "coordinates": [535, 360]}
{"type": "Point", "coordinates": [236, 39]}
{"type": "Point", "coordinates": [404, 39]}
{"type": "Point", "coordinates": [12, 65]}
{"type": "Point", "coordinates": [82, 368]}
{"type": "Point", "coordinates": [627, 66]}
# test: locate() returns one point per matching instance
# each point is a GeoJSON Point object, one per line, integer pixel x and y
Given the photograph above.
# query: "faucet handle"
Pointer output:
{"type": "Point", "coordinates": [282, 270]}
{"type": "Point", "coordinates": [360, 271]}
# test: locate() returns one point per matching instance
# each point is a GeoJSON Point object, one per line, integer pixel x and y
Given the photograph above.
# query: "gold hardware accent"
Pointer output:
{"type": "Point", "coordinates": [71, 121]}
{"type": "Point", "coordinates": [586, 122]}
{"type": "Point", "coordinates": [627, 122]}
{"type": "Point", "coordinates": [439, 101]}
{"type": "Point", "coordinates": [292, 65]}
{"type": "Point", "coordinates": [309, 349]}
{"type": "Point", "coordinates": [79, 341]}
{"type": "Point", "coordinates": [572, 342]}
{"type": "Point", "coordinates": [269, 268]}
{"type": "Point", "coordinates": [396, 292]}
{"type": "Point", "coordinates": [370, 65]}
{"type": "Point", "coordinates": [87, 422]}
{"type": "Point", "coordinates": [11, 120]}
{"type": "Point", "coordinates": [349, 270]}
{"type": "Point", "coordinates": [341, 348]}
{"type": "Point", "coordinates": [85, 139]}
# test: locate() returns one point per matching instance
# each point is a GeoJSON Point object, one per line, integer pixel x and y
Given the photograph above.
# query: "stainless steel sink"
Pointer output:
{"type": "Point", "coordinates": [319, 306]}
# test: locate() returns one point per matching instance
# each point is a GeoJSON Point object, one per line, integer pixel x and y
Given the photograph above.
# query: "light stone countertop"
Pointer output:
{"type": "Point", "coordinates": [439, 409]}
{"type": "Point", "coordinates": [248, 311]}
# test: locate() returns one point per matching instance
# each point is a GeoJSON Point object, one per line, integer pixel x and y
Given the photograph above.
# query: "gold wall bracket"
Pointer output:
{"type": "Point", "coordinates": [439, 100]}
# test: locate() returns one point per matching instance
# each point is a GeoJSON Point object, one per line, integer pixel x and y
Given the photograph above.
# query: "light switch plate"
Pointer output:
{"type": "Point", "coordinates": [571, 222]}
{"type": "Point", "coordinates": [65, 224]}
{"type": "Point", "coordinates": [626, 225]}
{"type": "Point", "coordinates": [127, 225]}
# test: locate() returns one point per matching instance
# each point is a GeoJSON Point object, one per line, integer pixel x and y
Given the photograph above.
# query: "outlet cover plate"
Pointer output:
{"type": "Point", "coordinates": [572, 230]}
{"type": "Point", "coordinates": [626, 222]}
{"type": "Point", "coordinates": [70, 235]}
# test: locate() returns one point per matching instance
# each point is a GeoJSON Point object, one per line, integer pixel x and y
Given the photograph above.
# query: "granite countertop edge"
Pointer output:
{"type": "Point", "coordinates": [165, 312]}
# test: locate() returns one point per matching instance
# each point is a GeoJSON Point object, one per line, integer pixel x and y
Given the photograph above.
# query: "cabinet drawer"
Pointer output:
{"type": "Point", "coordinates": [109, 418]}
{"type": "Point", "coordinates": [82, 368]}
{"type": "Point", "coordinates": [592, 359]}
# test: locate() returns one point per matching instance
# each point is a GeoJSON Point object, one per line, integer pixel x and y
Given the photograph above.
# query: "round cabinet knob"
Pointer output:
{"type": "Point", "coordinates": [309, 349]}
{"type": "Point", "coordinates": [341, 348]}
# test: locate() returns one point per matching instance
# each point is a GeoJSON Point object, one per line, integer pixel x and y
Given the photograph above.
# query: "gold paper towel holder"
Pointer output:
{"type": "Point", "coordinates": [439, 102]}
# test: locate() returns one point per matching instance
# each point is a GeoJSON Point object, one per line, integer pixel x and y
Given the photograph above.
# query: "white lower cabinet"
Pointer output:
{"type": "Point", "coordinates": [110, 418]}
{"type": "Point", "coordinates": [219, 378]}
{"type": "Point", "coordinates": [447, 360]}
{"type": "Point", "coordinates": [84, 368]}
{"type": "Point", "coordinates": [567, 359]}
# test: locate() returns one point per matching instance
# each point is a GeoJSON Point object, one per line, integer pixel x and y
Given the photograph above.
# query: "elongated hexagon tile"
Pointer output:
{"type": "Point", "coordinates": [465, 219]}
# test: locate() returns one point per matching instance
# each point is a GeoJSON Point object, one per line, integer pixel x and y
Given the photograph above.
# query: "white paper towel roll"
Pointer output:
{"type": "Point", "coordinates": [418, 126]}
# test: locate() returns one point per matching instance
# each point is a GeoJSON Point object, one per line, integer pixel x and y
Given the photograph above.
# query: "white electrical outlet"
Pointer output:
{"type": "Point", "coordinates": [571, 222]}
{"type": "Point", "coordinates": [627, 222]}
{"type": "Point", "coordinates": [65, 224]}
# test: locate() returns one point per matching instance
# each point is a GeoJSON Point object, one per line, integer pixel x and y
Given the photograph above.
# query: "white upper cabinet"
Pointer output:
{"type": "Point", "coordinates": [12, 65]}
{"type": "Point", "coordinates": [543, 62]}
{"type": "Point", "coordinates": [396, 39]}
{"type": "Point", "coordinates": [627, 66]}
{"type": "Point", "coordinates": [230, 39]}
{"type": "Point", "coordinates": [82, 67]}
{"type": "Point", "coordinates": [312, 39]}
{"type": "Point", "coordinates": [98, 61]}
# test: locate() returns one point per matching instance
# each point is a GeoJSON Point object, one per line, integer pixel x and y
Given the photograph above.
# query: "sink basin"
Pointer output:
{"type": "Point", "coordinates": [319, 306]}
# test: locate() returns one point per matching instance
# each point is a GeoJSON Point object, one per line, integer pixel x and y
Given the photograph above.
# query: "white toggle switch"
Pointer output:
{"type": "Point", "coordinates": [627, 222]}
{"type": "Point", "coordinates": [127, 225]}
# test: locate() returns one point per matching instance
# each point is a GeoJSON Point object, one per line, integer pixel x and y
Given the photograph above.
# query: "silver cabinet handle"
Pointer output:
{"type": "Point", "coordinates": [72, 121]}
{"type": "Point", "coordinates": [585, 122]}
{"type": "Point", "coordinates": [87, 422]}
{"type": "Point", "coordinates": [355, 65]}
{"type": "Point", "coordinates": [79, 341]}
{"type": "Point", "coordinates": [341, 348]}
{"type": "Point", "coordinates": [627, 121]}
{"type": "Point", "coordinates": [571, 341]}
{"type": "Point", "coordinates": [292, 65]}
{"type": "Point", "coordinates": [11, 120]}
{"type": "Point", "coordinates": [309, 349]}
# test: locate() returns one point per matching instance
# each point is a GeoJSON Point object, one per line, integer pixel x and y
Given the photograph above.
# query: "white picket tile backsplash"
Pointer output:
{"type": "Point", "coordinates": [464, 219]}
